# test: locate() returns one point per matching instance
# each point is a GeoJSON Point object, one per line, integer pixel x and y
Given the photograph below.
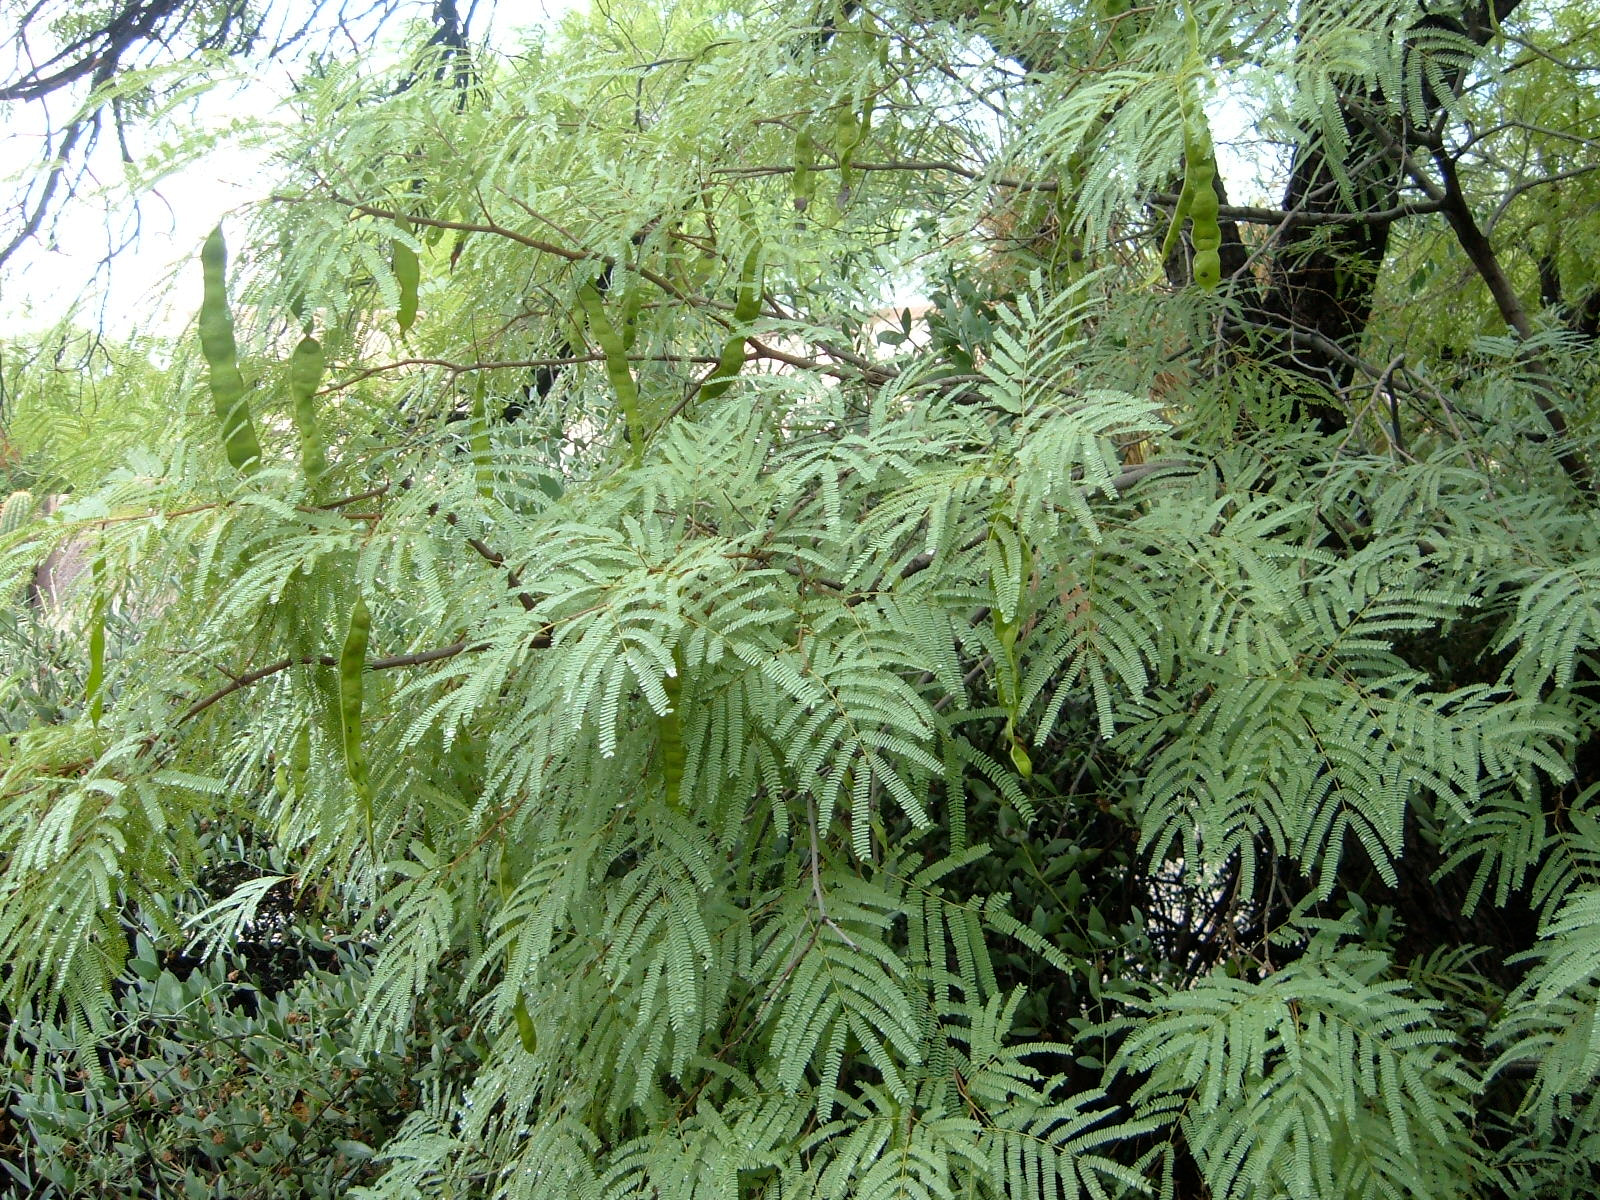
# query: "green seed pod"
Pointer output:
{"type": "Point", "coordinates": [482, 447]}
{"type": "Point", "coordinates": [14, 513]}
{"type": "Point", "coordinates": [632, 303]}
{"type": "Point", "coordinates": [408, 276]}
{"type": "Point", "coordinates": [1201, 172]}
{"type": "Point", "coordinates": [95, 686]}
{"type": "Point", "coordinates": [352, 664]}
{"type": "Point", "coordinates": [300, 760]}
{"type": "Point", "coordinates": [805, 177]}
{"type": "Point", "coordinates": [305, 377]}
{"type": "Point", "coordinates": [1179, 215]}
{"type": "Point", "coordinates": [1020, 759]}
{"type": "Point", "coordinates": [617, 371]}
{"type": "Point", "coordinates": [1207, 232]}
{"type": "Point", "coordinates": [669, 728]}
{"type": "Point", "coordinates": [222, 358]}
{"type": "Point", "coordinates": [847, 135]}
{"type": "Point", "coordinates": [526, 1033]}
{"type": "Point", "coordinates": [729, 363]}
{"type": "Point", "coordinates": [746, 308]}
{"type": "Point", "coordinates": [1199, 184]}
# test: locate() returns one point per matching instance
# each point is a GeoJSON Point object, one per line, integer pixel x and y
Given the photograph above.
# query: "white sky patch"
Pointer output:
{"type": "Point", "coordinates": [1248, 162]}
{"type": "Point", "coordinates": [147, 240]}
{"type": "Point", "coordinates": [124, 255]}
{"type": "Point", "coordinates": [94, 273]}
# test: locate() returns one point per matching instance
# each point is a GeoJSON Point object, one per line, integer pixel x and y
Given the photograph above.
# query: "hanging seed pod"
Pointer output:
{"type": "Point", "coordinates": [352, 664]}
{"type": "Point", "coordinates": [804, 183]}
{"type": "Point", "coordinates": [222, 358]}
{"type": "Point", "coordinates": [482, 462]}
{"type": "Point", "coordinates": [746, 308]}
{"type": "Point", "coordinates": [306, 365]}
{"type": "Point", "coordinates": [632, 304]}
{"type": "Point", "coordinates": [408, 277]}
{"type": "Point", "coordinates": [847, 135]}
{"type": "Point", "coordinates": [616, 357]}
{"type": "Point", "coordinates": [94, 688]}
{"type": "Point", "coordinates": [1200, 175]}
{"type": "Point", "coordinates": [526, 1034]}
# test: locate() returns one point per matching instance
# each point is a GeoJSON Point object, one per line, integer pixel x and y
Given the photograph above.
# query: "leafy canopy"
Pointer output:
{"type": "Point", "coordinates": [1122, 726]}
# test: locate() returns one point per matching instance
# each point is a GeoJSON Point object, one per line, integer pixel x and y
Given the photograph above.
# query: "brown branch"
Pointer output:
{"type": "Point", "coordinates": [1528, 185]}
{"type": "Point", "coordinates": [522, 239]}
{"type": "Point", "coordinates": [1481, 253]}
{"type": "Point", "coordinates": [240, 682]}
{"type": "Point", "coordinates": [949, 168]}
{"type": "Point", "coordinates": [763, 350]}
{"type": "Point", "coordinates": [456, 368]}
{"type": "Point", "coordinates": [1293, 218]}
{"type": "Point", "coordinates": [369, 494]}
{"type": "Point", "coordinates": [492, 556]}
{"type": "Point", "coordinates": [59, 162]}
{"type": "Point", "coordinates": [510, 364]}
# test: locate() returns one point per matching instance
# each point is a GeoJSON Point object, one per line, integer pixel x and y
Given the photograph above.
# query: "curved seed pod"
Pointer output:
{"type": "Point", "coordinates": [617, 371]}
{"type": "Point", "coordinates": [305, 377]}
{"type": "Point", "coordinates": [1206, 231]}
{"type": "Point", "coordinates": [747, 302]}
{"type": "Point", "coordinates": [482, 464]}
{"type": "Point", "coordinates": [1180, 214]}
{"type": "Point", "coordinates": [804, 182]}
{"type": "Point", "coordinates": [1020, 759]}
{"type": "Point", "coordinates": [669, 728]}
{"type": "Point", "coordinates": [847, 135]}
{"type": "Point", "coordinates": [408, 276]}
{"type": "Point", "coordinates": [526, 1033]}
{"type": "Point", "coordinates": [729, 363]}
{"type": "Point", "coordinates": [94, 688]}
{"type": "Point", "coordinates": [14, 513]}
{"type": "Point", "coordinates": [746, 308]}
{"type": "Point", "coordinates": [222, 358]}
{"type": "Point", "coordinates": [300, 760]}
{"type": "Point", "coordinates": [632, 302]}
{"type": "Point", "coordinates": [352, 662]}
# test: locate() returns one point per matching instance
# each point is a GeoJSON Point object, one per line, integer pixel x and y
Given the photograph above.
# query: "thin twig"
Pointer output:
{"type": "Point", "coordinates": [239, 682]}
{"type": "Point", "coordinates": [816, 875]}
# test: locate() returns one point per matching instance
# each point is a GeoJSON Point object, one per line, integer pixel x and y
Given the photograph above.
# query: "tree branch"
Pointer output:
{"type": "Point", "coordinates": [1293, 218]}
{"type": "Point", "coordinates": [240, 682]}
{"type": "Point", "coordinates": [1480, 252]}
{"type": "Point", "coordinates": [522, 239]}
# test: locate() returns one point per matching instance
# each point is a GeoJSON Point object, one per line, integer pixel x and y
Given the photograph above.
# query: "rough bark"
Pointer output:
{"type": "Point", "coordinates": [1321, 278]}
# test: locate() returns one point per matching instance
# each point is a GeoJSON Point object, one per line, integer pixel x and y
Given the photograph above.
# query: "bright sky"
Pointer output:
{"type": "Point", "coordinates": [154, 282]}
{"type": "Point", "coordinates": [155, 278]}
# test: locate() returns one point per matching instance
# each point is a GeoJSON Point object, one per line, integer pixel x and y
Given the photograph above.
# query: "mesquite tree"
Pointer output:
{"type": "Point", "coordinates": [1119, 723]}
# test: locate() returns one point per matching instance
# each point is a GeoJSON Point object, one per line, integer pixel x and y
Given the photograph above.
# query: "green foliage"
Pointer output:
{"type": "Point", "coordinates": [202, 1088]}
{"type": "Point", "coordinates": [1020, 755]}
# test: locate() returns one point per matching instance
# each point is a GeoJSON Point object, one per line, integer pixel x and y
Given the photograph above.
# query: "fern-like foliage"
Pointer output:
{"type": "Point", "coordinates": [1006, 752]}
{"type": "Point", "coordinates": [1320, 1079]}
